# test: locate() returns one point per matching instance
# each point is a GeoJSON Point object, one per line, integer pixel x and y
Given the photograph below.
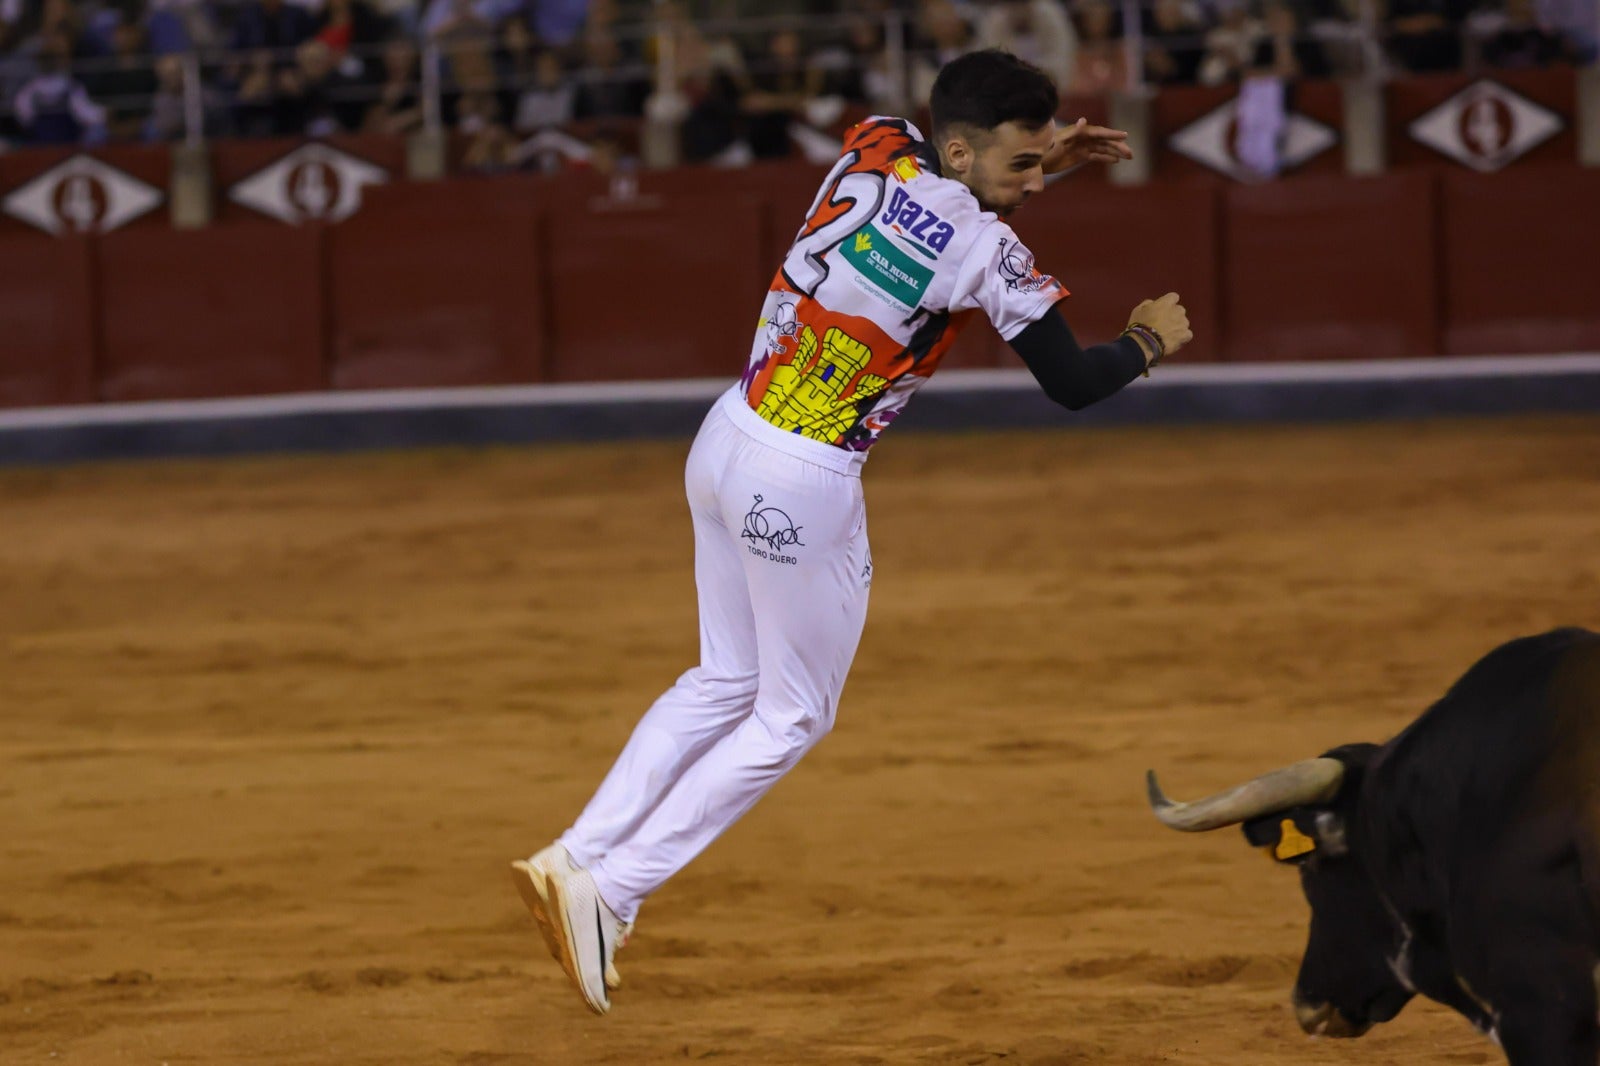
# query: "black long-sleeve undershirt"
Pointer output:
{"type": "Point", "coordinates": [1076, 377]}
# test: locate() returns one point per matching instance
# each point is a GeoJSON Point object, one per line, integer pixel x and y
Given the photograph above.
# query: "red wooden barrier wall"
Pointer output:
{"type": "Point", "coordinates": [1330, 268]}
{"type": "Point", "coordinates": [439, 285]}
{"type": "Point", "coordinates": [522, 278]}
{"type": "Point", "coordinates": [1516, 259]}
{"type": "Point", "coordinates": [234, 309]}
{"type": "Point", "coordinates": [47, 320]}
{"type": "Point", "coordinates": [655, 289]}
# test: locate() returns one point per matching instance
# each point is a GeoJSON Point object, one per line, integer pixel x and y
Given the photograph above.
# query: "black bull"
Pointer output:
{"type": "Point", "coordinates": [1461, 860]}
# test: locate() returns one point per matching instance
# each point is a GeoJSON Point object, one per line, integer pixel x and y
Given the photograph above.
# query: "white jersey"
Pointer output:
{"type": "Point", "coordinates": [890, 265]}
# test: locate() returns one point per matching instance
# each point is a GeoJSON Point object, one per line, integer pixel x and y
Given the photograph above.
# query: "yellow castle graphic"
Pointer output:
{"type": "Point", "coordinates": [819, 392]}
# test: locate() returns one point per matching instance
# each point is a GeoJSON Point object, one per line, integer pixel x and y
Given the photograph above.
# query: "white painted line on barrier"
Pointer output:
{"type": "Point", "coordinates": [707, 389]}
{"type": "Point", "coordinates": [1432, 369]}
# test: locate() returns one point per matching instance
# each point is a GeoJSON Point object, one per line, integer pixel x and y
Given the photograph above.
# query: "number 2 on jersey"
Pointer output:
{"type": "Point", "coordinates": [856, 196]}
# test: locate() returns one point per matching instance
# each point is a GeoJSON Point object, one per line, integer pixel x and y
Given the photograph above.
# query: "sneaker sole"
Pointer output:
{"type": "Point", "coordinates": [565, 942]}
{"type": "Point", "coordinates": [530, 882]}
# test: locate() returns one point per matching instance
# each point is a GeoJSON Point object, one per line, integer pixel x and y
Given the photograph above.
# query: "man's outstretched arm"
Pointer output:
{"type": "Point", "coordinates": [1076, 377]}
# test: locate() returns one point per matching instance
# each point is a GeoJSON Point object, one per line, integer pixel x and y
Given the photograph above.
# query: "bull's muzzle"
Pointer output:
{"type": "Point", "coordinates": [1323, 1019]}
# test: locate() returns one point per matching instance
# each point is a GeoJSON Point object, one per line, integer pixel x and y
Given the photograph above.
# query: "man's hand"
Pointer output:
{"type": "Point", "coordinates": [1168, 319]}
{"type": "Point", "coordinates": [1082, 143]}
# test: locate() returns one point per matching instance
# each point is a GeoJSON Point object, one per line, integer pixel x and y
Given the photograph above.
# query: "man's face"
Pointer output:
{"type": "Point", "coordinates": [1001, 166]}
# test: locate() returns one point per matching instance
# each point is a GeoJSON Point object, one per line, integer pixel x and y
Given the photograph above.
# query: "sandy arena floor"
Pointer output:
{"type": "Point", "coordinates": [270, 731]}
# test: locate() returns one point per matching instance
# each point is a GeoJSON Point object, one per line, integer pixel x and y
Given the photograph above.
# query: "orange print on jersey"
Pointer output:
{"type": "Point", "coordinates": [877, 145]}
{"type": "Point", "coordinates": [865, 304]}
{"type": "Point", "coordinates": [824, 370]}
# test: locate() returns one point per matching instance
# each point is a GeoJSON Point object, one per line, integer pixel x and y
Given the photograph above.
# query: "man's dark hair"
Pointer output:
{"type": "Point", "coordinates": [983, 90]}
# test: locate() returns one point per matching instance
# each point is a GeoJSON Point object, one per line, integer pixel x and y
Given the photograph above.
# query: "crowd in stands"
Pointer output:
{"type": "Point", "coordinates": [509, 71]}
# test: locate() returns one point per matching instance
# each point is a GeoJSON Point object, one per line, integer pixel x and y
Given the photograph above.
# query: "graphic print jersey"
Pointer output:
{"type": "Point", "coordinates": [890, 265]}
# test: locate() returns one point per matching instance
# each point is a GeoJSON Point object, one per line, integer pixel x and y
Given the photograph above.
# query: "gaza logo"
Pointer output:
{"type": "Point", "coordinates": [911, 219]}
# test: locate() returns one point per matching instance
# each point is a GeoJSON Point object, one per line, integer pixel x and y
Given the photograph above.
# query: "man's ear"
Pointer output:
{"type": "Point", "coordinates": [958, 153]}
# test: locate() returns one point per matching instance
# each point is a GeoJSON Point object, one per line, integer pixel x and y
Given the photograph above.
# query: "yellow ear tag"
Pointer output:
{"type": "Point", "coordinates": [1292, 843]}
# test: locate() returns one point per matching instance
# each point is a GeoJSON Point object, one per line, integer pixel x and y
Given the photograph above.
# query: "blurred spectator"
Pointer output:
{"type": "Point", "coordinates": [1521, 42]}
{"type": "Point", "coordinates": [62, 17]}
{"type": "Point", "coordinates": [1035, 30]}
{"type": "Point", "coordinates": [547, 98]}
{"type": "Point", "coordinates": [1577, 23]}
{"type": "Point", "coordinates": [351, 29]}
{"type": "Point", "coordinates": [353, 32]}
{"type": "Point", "coordinates": [607, 89]}
{"type": "Point", "coordinates": [675, 36]}
{"type": "Point", "coordinates": [1101, 65]}
{"type": "Point", "coordinates": [273, 25]}
{"type": "Point", "coordinates": [174, 26]}
{"type": "Point", "coordinates": [53, 107]}
{"type": "Point", "coordinates": [399, 106]}
{"type": "Point", "coordinates": [602, 14]}
{"type": "Point", "coordinates": [464, 33]}
{"type": "Point", "coordinates": [252, 96]}
{"type": "Point", "coordinates": [13, 15]}
{"type": "Point", "coordinates": [168, 118]}
{"type": "Point", "coordinates": [1347, 46]}
{"type": "Point", "coordinates": [780, 88]}
{"type": "Point", "coordinates": [329, 95]}
{"type": "Point", "coordinates": [26, 24]}
{"type": "Point", "coordinates": [514, 59]}
{"type": "Point", "coordinates": [478, 112]}
{"type": "Point", "coordinates": [1261, 118]}
{"type": "Point", "coordinates": [270, 99]}
{"type": "Point", "coordinates": [559, 22]}
{"type": "Point", "coordinates": [442, 16]}
{"type": "Point", "coordinates": [403, 17]}
{"type": "Point", "coordinates": [859, 72]}
{"type": "Point", "coordinates": [712, 81]}
{"type": "Point", "coordinates": [1425, 35]}
{"type": "Point", "coordinates": [125, 83]}
{"type": "Point", "coordinates": [490, 147]}
{"type": "Point", "coordinates": [1173, 45]}
{"type": "Point", "coordinates": [944, 33]}
{"type": "Point", "coordinates": [1283, 51]}
{"type": "Point", "coordinates": [1230, 45]}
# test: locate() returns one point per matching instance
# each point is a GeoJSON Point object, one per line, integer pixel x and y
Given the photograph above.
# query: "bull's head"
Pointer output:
{"type": "Point", "coordinates": [1303, 814]}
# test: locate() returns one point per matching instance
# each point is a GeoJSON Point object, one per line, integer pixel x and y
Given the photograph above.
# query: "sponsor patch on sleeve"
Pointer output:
{"type": "Point", "coordinates": [1017, 268]}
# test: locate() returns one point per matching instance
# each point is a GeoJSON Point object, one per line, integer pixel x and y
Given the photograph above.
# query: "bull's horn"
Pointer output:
{"type": "Point", "coordinates": [1309, 781]}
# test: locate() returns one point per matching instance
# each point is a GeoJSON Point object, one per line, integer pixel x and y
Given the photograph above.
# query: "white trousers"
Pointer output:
{"type": "Point", "coordinates": [782, 570]}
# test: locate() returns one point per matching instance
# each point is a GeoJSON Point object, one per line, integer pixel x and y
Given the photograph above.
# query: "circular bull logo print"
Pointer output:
{"type": "Point", "coordinates": [771, 526]}
{"type": "Point", "coordinates": [1486, 126]}
{"type": "Point", "coordinates": [1017, 269]}
{"type": "Point", "coordinates": [80, 202]}
{"type": "Point", "coordinates": [314, 188]}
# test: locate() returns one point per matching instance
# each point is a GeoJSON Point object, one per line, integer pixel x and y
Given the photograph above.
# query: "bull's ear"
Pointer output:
{"type": "Point", "coordinates": [1286, 836]}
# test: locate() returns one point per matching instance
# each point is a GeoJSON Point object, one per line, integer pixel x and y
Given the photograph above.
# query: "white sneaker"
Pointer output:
{"type": "Point", "coordinates": [588, 933]}
{"type": "Point", "coordinates": [529, 876]}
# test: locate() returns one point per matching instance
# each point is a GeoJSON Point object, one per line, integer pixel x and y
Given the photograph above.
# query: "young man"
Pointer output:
{"type": "Point", "coordinates": [902, 247]}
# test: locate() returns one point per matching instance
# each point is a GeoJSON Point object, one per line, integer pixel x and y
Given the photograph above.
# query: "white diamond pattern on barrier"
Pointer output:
{"type": "Point", "coordinates": [313, 182]}
{"type": "Point", "coordinates": [1486, 126]}
{"type": "Point", "coordinates": [82, 195]}
{"type": "Point", "coordinates": [1212, 140]}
